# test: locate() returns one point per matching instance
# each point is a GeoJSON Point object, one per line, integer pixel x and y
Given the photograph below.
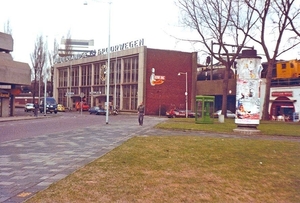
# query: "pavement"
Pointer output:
{"type": "Point", "coordinates": [30, 165]}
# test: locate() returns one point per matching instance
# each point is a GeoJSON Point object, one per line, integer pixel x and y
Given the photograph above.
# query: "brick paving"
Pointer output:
{"type": "Point", "coordinates": [32, 164]}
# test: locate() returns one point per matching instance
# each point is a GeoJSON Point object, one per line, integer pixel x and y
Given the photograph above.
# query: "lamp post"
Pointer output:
{"type": "Point", "coordinates": [186, 93]}
{"type": "Point", "coordinates": [108, 65]}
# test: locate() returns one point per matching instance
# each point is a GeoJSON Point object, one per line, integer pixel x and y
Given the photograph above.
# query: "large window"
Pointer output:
{"type": "Point", "coordinates": [131, 69]}
{"type": "Point", "coordinates": [86, 75]}
{"type": "Point", "coordinates": [75, 76]}
{"type": "Point", "coordinates": [62, 99]}
{"type": "Point", "coordinates": [63, 77]}
{"type": "Point", "coordinates": [129, 97]}
{"type": "Point", "coordinates": [118, 71]}
{"type": "Point", "coordinates": [134, 72]}
{"type": "Point", "coordinates": [99, 73]}
{"type": "Point", "coordinates": [86, 91]}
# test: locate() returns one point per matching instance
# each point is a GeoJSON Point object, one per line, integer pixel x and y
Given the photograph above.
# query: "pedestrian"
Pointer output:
{"type": "Point", "coordinates": [141, 113]}
{"type": "Point", "coordinates": [36, 109]}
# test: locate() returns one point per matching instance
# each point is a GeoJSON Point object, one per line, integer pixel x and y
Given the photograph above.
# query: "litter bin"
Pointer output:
{"type": "Point", "coordinates": [221, 118]}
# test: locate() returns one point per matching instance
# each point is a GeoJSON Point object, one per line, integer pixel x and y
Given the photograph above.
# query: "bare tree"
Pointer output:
{"type": "Point", "coordinates": [53, 56]}
{"type": "Point", "coordinates": [277, 20]}
{"type": "Point", "coordinates": [215, 20]}
{"type": "Point", "coordinates": [7, 28]}
{"type": "Point", "coordinates": [293, 18]}
{"type": "Point", "coordinates": [38, 60]}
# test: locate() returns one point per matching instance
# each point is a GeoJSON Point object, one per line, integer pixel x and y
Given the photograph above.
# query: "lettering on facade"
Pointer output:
{"type": "Point", "coordinates": [4, 95]}
{"type": "Point", "coordinates": [123, 46]}
{"type": "Point", "coordinates": [120, 47]}
{"type": "Point", "coordinates": [282, 94]}
{"type": "Point", "coordinates": [95, 93]}
{"type": "Point", "coordinates": [71, 57]}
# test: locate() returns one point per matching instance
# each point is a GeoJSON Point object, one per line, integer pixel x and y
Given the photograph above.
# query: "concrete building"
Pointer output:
{"type": "Point", "coordinates": [137, 74]}
{"type": "Point", "coordinates": [13, 74]}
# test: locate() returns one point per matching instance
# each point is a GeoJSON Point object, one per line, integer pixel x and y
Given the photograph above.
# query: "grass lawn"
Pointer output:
{"type": "Point", "coordinates": [266, 127]}
{"type": "Point", "coordinates": [187, 169]}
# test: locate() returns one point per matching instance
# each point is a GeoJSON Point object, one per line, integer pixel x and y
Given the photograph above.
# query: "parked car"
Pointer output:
{"type": "Point", "coordinates": [29, 107]}
{"type": "Point", "coordinates": [97, 110]}
{"type": "Point", "coordinates": [61, 108]}
{"type": "Point", "coordinates": [173, 113]}
{"type": "Point", "coordinates": [84, 105]}
{"type": "Point", "coordinates": [229, 114]}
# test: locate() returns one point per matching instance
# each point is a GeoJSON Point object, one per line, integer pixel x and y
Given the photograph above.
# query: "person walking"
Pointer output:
{"type": "Point", "coordinates": [141, 113]}
{"type": "Point", "coordinates": [36, 109]}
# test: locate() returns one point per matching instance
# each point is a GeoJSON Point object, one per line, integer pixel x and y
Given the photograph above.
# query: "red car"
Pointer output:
{"type": "Point", "coordinates": [173, 113]}
{"type": "Point", "coordinates": [84, 106]}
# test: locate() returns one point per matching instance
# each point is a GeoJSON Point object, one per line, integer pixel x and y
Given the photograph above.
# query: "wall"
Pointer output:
{"type": "Point", "coordinates": [172, 92]}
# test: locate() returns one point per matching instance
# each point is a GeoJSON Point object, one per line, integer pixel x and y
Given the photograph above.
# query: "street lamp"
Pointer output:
{"type": "Point", "coordinates": [186, 93]}
{"type": "Point", "coordinates": [108, 65]}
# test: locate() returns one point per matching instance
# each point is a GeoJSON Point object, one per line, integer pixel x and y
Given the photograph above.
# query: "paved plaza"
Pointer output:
{"type": "Point", "coordinates": [32, 164]}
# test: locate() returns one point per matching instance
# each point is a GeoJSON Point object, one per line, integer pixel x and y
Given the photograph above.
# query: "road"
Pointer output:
{"type": "Point", "coordinates": [51, 123]}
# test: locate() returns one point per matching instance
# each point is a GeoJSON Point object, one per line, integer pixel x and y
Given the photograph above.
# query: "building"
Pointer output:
{"type": "Point", "coordinates": [284, 93]}
{"type": "Point", "coordinates": [13, 74]}
{"type": "Point", "coordinates": [137, 74]}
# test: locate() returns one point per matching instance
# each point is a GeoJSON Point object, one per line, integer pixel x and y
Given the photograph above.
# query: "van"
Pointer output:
{"type": "Point", "coordinates": [51, 105]}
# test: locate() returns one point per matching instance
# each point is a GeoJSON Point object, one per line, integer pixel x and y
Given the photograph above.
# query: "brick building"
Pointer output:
{"type": "Point", "coordinates": [132, 79]}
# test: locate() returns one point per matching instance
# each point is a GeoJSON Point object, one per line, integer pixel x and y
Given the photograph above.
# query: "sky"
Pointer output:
{"type": "Point", "coordinates": [155, 21]}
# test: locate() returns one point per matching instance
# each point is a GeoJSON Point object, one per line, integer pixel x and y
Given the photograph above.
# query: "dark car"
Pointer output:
{"type": "Point", "coordinates": [51, 105]}
{"type": "Point", "coordinates": [97, 110]}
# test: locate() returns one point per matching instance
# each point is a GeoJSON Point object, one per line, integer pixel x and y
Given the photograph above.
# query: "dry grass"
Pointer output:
{"type": "Point", "coordinates": [186, 169]}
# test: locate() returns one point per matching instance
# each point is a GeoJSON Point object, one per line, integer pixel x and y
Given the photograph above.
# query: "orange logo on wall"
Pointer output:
{"type": "Point", "coordinates": [156, 79]}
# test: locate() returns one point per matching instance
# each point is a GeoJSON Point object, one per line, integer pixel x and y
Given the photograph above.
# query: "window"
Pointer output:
{"type": "Point", "coordinates": [134, 72]}
{"type": "Point", "coordinates": [63, 77]}
{"type": "Point", "coordinates": [97, 74]}
{"type": "Point", "coordinates": [131, 69]}
{"type": "Point", "coordinates": [129, 97]}
{"type": "Point", "coordinates": [62, 99]}
{"type": "Point", "coordinates": [75, 76]}
{"type": "Point", "coordinates": [86, 75]}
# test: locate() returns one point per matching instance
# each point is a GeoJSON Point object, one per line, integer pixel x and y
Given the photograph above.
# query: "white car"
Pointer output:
{"type": "Point", "coordinates": [229, 114]}
{"type": "Point", "coordinates": [29, 107]}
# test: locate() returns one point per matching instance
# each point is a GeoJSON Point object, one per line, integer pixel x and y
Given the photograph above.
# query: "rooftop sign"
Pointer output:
{"type": "Point", "coordinates": [123, 46]}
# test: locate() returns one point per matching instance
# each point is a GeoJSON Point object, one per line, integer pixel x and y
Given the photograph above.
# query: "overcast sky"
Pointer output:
{"type": "Point", "coordinates": [155, 21]}
{"type": "Point", "coordinates": [152, 20]}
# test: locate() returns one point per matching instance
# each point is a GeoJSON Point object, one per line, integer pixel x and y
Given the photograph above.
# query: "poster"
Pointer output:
{"type": "Point", "coordinates": [248, 91]}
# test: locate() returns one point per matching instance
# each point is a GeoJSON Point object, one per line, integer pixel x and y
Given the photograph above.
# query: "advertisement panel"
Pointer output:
{"type": "Point", "coordinates": [248, 89]}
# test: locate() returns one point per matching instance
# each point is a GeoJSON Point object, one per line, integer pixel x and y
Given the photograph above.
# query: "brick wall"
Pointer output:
{"type": "Point", "coordinates": [172, 92]}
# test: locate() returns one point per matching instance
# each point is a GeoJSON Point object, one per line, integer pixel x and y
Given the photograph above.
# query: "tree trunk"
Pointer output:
{"type": "Point", "coordinates": [225, 91]}
{"type": "Point", "coordinates": [265, 114]}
